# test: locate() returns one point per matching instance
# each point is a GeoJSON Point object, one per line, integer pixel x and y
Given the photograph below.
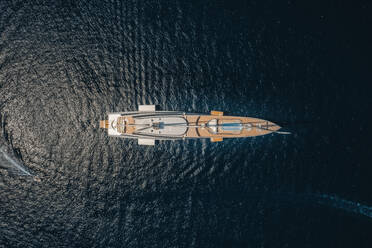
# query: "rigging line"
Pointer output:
{"type": "Point", "coordinates": [147, 126]}
{"type": "Point", "coordinates": [197, 126]}
{"type": "Point", "coordinates": [139, 135]}
{"type": "Point", "coordinates": [144, 128]}
{"type": "Point", "coordinates": [217, 125]}
{"type": "Point", "coordinates": [274, 131]}
{"type": "Point", "coordinates": [188, 124]}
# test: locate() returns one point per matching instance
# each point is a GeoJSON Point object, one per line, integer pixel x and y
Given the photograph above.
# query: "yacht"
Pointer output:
{"type": "Point", "coordinates": [148, 125]}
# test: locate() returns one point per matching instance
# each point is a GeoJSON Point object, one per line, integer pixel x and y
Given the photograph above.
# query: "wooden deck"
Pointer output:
{"type": "Point", "coordinates": [255, 127]}
{"type": "Point", "coordinates": [127, 128]}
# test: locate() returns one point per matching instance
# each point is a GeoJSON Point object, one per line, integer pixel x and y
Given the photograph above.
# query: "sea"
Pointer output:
{"type": "Point", "coordinates": [303, 65]}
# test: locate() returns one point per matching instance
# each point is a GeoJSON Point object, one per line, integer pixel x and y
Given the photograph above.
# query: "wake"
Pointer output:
{"type": "Point", "coordinates": [15, 167]}
{"type": "Point", "coordinates": [339, 203]}
{"type": "Point", "coordinates": [326, 200]}
{"type": "Point", "coordinates": [7, 157]}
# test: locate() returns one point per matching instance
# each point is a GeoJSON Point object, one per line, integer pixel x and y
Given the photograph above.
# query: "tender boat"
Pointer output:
{"type": "Point", "coordinates": [148, 125]}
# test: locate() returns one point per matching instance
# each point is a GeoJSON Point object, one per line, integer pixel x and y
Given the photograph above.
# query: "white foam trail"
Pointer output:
{"type": "Point", "coordinates": [7, 161]}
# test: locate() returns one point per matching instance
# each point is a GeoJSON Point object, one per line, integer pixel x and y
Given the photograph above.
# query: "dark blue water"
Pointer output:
{"type": "Point", "coordinates": [64, 64]}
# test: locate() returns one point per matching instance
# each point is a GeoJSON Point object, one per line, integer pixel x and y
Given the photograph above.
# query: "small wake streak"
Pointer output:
{"type": "Point", "coordinates": [281, 198]}
{"type": "Point", "coordinates": [346, 205]}
{"type": "Point", "coordinates": [331, 201]}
